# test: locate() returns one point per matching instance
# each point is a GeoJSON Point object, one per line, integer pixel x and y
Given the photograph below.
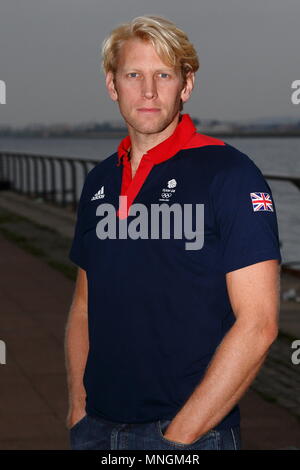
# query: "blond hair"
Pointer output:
{"type": "Point", "coordinates": [171, 43]}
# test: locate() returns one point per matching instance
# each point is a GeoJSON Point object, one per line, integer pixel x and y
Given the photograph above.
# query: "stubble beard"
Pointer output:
{"type": "Point", "coordinates": [154, 126]}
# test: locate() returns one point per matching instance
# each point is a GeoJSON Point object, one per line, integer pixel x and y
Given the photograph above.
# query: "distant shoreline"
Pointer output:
{"type": "Point", "coordinates": [120, 135]}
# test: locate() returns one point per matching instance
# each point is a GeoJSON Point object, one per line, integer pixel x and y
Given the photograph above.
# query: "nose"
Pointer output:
{"type": "Point", "coordinates": [149, 90]}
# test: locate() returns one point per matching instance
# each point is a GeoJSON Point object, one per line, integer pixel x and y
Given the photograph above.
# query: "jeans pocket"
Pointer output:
{"type": "Point", "coordinates": [236, 437]}
{"type": "Point", "coordinates": [78, 423]}
{"type": "Point", "coordinates": [206, 441]}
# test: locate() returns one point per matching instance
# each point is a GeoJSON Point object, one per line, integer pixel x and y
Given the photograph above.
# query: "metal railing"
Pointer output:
{"type": "Point", "coordinates": [59, 180]}
{"type": "Point", "coordinates": [289, 179]}
{"type": "Point", "coordinates": [55, 179]}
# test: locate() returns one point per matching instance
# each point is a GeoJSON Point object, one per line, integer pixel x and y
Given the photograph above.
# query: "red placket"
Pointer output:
{"type": "Point", "coordinates": [131, 186]}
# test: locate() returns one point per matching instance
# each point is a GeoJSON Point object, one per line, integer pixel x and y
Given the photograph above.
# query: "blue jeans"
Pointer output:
{"type": "Point", "coordinates": [99, 434]}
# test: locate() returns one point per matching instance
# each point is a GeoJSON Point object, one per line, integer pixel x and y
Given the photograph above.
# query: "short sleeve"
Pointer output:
{"type": "Point", "coordinates": [76, 253]}
{"type": "Point", "coordinates": [245, 216]}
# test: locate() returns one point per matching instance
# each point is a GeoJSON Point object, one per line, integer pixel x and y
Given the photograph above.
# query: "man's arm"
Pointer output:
{"type": "Point", "coordinates": [76, 349]}
{"type": "Point", "coordinates": [254, 296]}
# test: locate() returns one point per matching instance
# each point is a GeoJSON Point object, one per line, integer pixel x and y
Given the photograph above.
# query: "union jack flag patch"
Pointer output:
{"type": "Point", "coordinates": [261, 202]}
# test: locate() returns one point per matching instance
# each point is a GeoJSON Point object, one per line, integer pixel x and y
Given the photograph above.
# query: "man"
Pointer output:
{"type": "Point", "coordinates": [162, 341]}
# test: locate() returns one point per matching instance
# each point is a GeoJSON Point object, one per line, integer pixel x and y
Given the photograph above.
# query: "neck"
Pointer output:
{"type": "Point", "coordinates": [141, 143]}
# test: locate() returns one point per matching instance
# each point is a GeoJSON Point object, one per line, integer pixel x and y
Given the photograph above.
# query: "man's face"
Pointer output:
{"type": "Point", "coordinates": [147, 90]}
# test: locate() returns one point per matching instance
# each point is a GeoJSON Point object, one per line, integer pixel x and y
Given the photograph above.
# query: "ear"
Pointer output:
{"type": "Point", "coordinates": [110, 85]}
{"type": "Point", "coordinates": [188, 87]}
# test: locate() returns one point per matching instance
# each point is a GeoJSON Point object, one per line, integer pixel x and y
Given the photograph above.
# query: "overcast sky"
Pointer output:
{"type": "Point", "coordinates": [249, 54]}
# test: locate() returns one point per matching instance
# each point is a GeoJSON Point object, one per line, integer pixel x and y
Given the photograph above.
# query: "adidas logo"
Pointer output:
{"type": "Point", "coordinates": [99, 194]}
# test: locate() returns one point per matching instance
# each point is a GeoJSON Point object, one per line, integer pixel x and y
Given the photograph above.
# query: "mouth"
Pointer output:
{"type": "Point", "coordinates": [148, 110]}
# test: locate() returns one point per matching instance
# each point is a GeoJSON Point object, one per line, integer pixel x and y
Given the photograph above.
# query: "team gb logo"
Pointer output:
{"type": "Point", "coordinates": [172, 183]}
{"type": "Point", "coordinates": [169, 191]}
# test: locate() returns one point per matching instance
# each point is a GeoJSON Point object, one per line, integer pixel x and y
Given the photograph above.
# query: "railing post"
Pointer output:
{"type": "Point", "coordinates": [35, 176]}
{"type": "Point", "coordinates": [4, 181]}
{"type": "Point", "coordinates": [74, 185]}
{"type": "Point", "coordinates": [63, 182]}
{"type": "Point", "coordinates": [53, 183]}
{"type": "Point", "coordinates": [43, 161]}
{"type": "Point", "coordinates": [28, 176]}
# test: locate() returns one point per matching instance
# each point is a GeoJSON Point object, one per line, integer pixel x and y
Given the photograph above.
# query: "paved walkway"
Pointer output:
{"type": "Point", "coordinates": [35, 300]}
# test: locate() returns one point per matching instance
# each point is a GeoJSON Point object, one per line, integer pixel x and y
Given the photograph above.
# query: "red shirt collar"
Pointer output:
{"type": "Point", "coordinates": [166, 149]}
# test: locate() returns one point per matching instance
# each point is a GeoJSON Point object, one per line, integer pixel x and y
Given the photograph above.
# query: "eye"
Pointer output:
{"type": "Point", "coordinates": [164, 75]}
{"type": "Point", "coordinates": [132, 74]}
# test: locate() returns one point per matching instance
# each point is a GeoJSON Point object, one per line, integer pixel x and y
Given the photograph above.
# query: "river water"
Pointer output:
{"type": "Point", "coordinates": [276, 156]}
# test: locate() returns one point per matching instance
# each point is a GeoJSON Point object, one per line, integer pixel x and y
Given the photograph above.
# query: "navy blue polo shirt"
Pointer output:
{"type": "Point", "coordinates": [157, 311]}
